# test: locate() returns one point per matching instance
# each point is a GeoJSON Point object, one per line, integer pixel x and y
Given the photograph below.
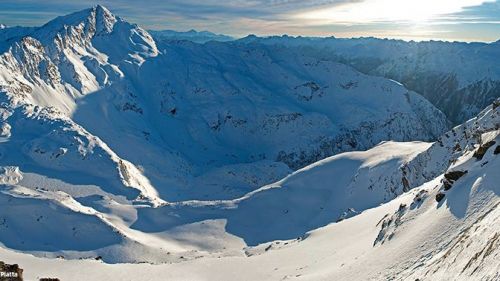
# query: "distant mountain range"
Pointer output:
{"type": "Point", "coordinates": [458, 78]}
{"type": "Point", "coordinates": [191, 35]}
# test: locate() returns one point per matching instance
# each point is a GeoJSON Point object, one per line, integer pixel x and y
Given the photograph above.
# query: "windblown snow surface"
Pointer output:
{"type": "Point", "coordinates": [126, 158]}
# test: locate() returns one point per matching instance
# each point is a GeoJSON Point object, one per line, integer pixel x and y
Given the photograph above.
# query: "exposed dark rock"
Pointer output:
{"type": "Point", "coordinates": [496, 104]}
{"type": "Point", "coordinates": [390, 225]}
{"type": "Point", "coordinates": [49, 279]}
{"type": "Point", "coordinates": [454, 175]}
{"type": "Point", "coordinates": [497, 150]}
{"type": "Point", "coordinates": [481, 151]}
{"type": "Point", "coordinates": [451, 177]}
{"type": "Point", "coordinates": [346, 140]}
{"type": "Point", "coordinates": [439, 87]}
{"type": "Point", "coordinates": [419, 199]}
{"type": "Point", "coordinates": [349, 85]}
{"type": "Point", "coordinates": [447, 185]}
{"type": "Point", "coordinates": [439, 196]}
{"type": "Point", "coordinates": [313, 91]}
{"type": "Point", "coordinates": [406, 184]}
{"type": "Point", "coordinates": [440, 142]}
{"type": "Point", "coordinates": [347, 214]}
{"type": "Point", "coordinates": [404, 180]}
{"type": "Point", "coordinates": [132, 107]}
{"type": "Point", "coordinates": [420, 196]}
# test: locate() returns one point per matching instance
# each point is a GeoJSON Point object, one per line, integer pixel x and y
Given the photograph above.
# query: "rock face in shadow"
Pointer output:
{"type": "Point", "coordinates": [459, 103]}
{"type": "Point", "coordinates": [440, 196]}
{"type": "Point", "coordinates": [454, 175]}
{"type": "Point", "coordinates": [451, 177]}
{"type": "Point", "coordinates": [479, 154]}
{"type": "Point", "coordinates": [497, 150]}
{"type": "Point", "coordinates": [451, 145]}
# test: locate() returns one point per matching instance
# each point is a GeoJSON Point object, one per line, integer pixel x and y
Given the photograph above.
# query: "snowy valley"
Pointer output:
{"type": "Point", "coordinates": [126, 155]}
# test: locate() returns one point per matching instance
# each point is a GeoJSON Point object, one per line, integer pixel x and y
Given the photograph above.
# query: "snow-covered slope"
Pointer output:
{"type": "Point", "coordinates": [242, 117]}
{"type": "Point", "coordinates": [324, 192]}
{"type": "Point", "coordinates": [331, 190]}
{"type": "Point", "coordinates": [117, 147]}
{"type": "Point", "coordinates": [458, 78]}
{"type": "Point", "coordinates": [447, 228]}
{"type": "Point", "coordinates": [69, 57]}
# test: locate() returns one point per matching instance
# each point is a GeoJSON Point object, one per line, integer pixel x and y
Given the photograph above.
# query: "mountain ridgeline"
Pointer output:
{"type": "Point", "coordinates": [191, 35]}
{"type": "Point", "coordinates": [459, 78]}
{"type": "Point", "coordinates": [205, 160]}
{"type": "Point", "coordinates": [210, 121]}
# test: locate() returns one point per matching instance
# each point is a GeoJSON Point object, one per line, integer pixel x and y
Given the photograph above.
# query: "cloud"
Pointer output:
{"type": "Point", "coordinates": [375, 11]}
{"type": "Point", "coordinates": [266, 17]}
{"type": "Point", "coordinates": [488, 12]}
{"type": "Point", "coordinates": [189, 9]}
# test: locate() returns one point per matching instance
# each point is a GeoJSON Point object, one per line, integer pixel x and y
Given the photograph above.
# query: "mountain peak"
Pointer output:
{"type": "Point", "coordinates": [104, 19]}
{"type": "Point", "coordinates": [98, 19]}
{"type": "Point", "coordinates": [101, 7]}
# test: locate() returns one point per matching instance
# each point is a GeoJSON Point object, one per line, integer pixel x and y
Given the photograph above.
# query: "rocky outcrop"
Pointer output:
{"type": "Point", "coordinates": [479, 153]}
{"type": "Point", "coordinates": [467, 137]}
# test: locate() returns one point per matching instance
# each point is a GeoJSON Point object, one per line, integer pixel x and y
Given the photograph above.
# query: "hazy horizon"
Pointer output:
{"type": "Point", "coordinates": [447, 20]}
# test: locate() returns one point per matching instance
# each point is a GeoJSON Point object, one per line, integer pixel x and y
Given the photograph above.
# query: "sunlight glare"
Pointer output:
{"type": "Point", "coordinates": [369, 11]}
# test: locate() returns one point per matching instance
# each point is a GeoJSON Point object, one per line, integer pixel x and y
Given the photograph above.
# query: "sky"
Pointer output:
{"type": "Point", "coordinates": [450, 20]}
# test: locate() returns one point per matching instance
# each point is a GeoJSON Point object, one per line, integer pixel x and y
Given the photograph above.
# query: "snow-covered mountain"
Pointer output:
{"type": "Point", "coordinates": [458, 78]}
{"type": "Point", "coordinates": [191, 35]}
{"type": "Point", "coordinates": [118, 147]}
{"type": "Point", "coordinates": [444, 229]}
{"type": "Point", "coordinates": [211, 121]}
